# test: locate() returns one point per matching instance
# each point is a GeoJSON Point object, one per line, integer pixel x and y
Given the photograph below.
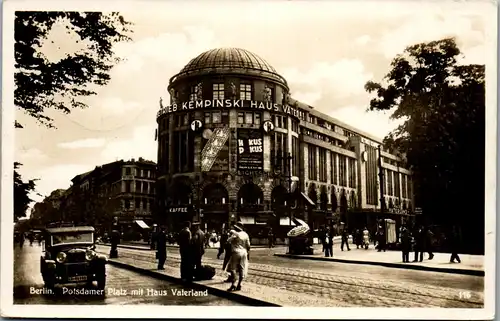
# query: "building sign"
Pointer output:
{"type": "Point", "coordinates": [221, 163]}
{"type": "Point", "coordinates": [212, 148]}
{"type": "Point", "coordinates": [183, 209]}
{"type": "Point", "coordinates": [250, 150]}
{"type": "Point", "coordinates": [196, 125]}
{"type": "Point", "coordinates": [268, 126]}
{"type": "Point", "coordinates": [229, 103]}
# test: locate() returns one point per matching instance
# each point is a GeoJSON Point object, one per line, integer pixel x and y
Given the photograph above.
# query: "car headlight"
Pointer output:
{"type": "Point", "coordinates": [61, 257]}
{"type": "Point", "coordinates": [90, 255]}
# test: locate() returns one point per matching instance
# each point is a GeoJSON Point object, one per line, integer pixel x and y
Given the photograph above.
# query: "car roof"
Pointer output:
{"type": "Point", "coordinates": [55, 230]}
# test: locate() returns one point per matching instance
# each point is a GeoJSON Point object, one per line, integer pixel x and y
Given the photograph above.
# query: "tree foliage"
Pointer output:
{"type": "Point", "coordinates": [22, 191]}
{"type": "Point", "coordinates": [442, 104]}
{"type": "Point", "coordinates": [42, 84]}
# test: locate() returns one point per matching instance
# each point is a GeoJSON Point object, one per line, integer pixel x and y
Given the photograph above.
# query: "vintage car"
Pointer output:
{"type": "Point", "coordinates": [69, 257]}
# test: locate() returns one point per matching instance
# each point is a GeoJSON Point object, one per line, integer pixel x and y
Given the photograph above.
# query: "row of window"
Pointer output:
{"type": "Point", "coordinates": [322, 137]}
{"type": "Point", "coordinates": [395, 186]}
{"type": "Point", "coordinates": [218, 92]}
{"type": "Point", "coordinates": [132, 171]}
{"type": "Point", "coordinates": [137, 204]}
{"type": "Point", "coordinates": [342, 168]}
{"type": "Point", "coordinates": [138, 187]}
{"type": "Point", "coordinates": [249, 118]}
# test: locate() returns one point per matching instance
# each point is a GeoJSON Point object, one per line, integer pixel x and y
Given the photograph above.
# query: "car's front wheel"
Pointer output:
{"type": "Point", "coordinates": [101, 281]}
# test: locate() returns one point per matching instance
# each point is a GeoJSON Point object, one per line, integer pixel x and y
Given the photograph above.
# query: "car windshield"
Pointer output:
{"type": "Point", "coordinates": [73, 237]}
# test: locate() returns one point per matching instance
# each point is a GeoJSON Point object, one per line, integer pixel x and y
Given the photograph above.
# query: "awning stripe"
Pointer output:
{"type": "Point", "coordinates": [307, 199]}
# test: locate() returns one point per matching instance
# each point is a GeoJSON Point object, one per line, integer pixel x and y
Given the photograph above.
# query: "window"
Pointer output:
{"type": "Point", "coordinates": [138, 187]}
{"type": "Point", "coordinates": [342, 170]}
{"type": "Point", "coordinates": [193, 95]}
{"type": "Point", "coordinates": [245, 91]}
{"type": "Point", "coordinates": [312, 162]}
{"type": "Point", "coordinates": [127, 205]}
{"type": "Point", "coordinates": [352, 172]}
{"type": "Point", "coordinates": [142, 173]}
{"type": "Point", "coordinates": [403, 186]}
{"type": "Point", "coordinates": [216, 117]}
{"type": "Point", "coordinates": [334, 168]}
{"type": "Point", "coordinates": [208, 118]}
{"type": "Point", "coordinates": [225, 117]}
{"type": "Point", "coordinates": [127, 170]}
{"type": "Point", "coordinates": [256, 119]}
{"type": "Point", "coordinates": [186, 119]}
{"type": "Point", "coordinates": [322, 165]}
{"type": "Point", "coordinates": [218, 90]}
{"type": "Point", "coordinates": [285, 122]}
{"type": "Point", "coordinates": [241, 118]}
{"type": "Point", "coordinates": [248, 118]}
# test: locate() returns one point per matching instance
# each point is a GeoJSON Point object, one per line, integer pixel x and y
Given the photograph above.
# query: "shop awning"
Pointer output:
{"type": "Point", "coordinates": [308, 200]}
{"type": "Point", "coordinates": [142, 224]}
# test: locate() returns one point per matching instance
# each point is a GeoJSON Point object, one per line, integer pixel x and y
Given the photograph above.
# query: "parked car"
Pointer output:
{"type": "Point", "coordinates": [69, 257]}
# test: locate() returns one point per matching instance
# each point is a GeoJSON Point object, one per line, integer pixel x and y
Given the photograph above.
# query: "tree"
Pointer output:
{"type": "Point", "coordinates": [41, 84]}
{"type": "Point", "coordinates": [22, 191]}
{"type": "Point", "coordinates": [442, 104]}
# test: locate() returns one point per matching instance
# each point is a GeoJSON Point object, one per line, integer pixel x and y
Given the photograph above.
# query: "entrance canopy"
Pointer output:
{"type": "Point", "coordinates": [142, 224]}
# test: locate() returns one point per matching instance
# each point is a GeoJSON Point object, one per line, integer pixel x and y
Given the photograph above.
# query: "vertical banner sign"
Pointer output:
{"type": "Point", "coordinates": [250, 150]}
{"type": "Point", "coordinates": [214, 145]}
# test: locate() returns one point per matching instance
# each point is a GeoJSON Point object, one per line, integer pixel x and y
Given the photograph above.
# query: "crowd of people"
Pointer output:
{"type": "Point", "coordinates": [420, 240]}
{"type": "Point", "coordinates": [233, 243]}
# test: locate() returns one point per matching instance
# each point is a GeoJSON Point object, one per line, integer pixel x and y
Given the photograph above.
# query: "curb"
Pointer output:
{"type": "Point", "coordinates": [195, 285]}
{"type": "Point", "coordinates": [387, 264]}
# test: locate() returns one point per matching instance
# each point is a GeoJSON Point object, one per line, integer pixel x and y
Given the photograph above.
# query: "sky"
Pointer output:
{"type": "Point", "coordinates": [326, 50]}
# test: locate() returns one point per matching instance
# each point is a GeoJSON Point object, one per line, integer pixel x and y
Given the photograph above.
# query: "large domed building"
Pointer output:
{"type": "Point", "coordinates": [234, 146]}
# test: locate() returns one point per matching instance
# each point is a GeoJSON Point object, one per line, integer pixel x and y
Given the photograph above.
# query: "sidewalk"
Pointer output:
{"type": "Point", "coordinates": [251, 294]}
{"type": "Point", "coordinates": [471, 264]}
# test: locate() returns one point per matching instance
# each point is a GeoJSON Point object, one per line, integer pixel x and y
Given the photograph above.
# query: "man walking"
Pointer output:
{"type": "Point", "coordinates": [185, 250]}
{"type": "Point", "coordinates": [345, 239]}
{"type": "Point", "coordinates": [222, 243]}
{"type": "Point", "coordinates": [161, 248]}
{"type": "Point", "coordinates": [405, 244]}
{"type": "Point", "coordinates": [198, 247]}
{"type": "Point", "coordinates": [429, 239]}
{"type": "Point", "coordinates": [328, 242]}
{"type": "Point", "coordinates": [419, 244]}
{"type": "Point", "coordinates": [270, 238]}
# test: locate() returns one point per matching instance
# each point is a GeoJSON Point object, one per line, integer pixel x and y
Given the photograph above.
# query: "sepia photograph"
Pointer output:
{"type": "Point", "coordinates": [274, 159]}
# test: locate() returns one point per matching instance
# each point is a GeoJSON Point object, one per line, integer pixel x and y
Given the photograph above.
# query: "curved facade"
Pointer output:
{"type": "Point", "coordinates": [232, 143]}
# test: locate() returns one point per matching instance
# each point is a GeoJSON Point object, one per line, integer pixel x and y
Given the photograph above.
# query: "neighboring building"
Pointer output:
{"type": "Point", "coordinates": [220, 139]}
{"type": "Point", "coordinates": [122, 191]}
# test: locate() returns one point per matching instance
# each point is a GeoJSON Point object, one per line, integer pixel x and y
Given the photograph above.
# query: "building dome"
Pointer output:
{"type": "Point", "coordinates": [228, 61]}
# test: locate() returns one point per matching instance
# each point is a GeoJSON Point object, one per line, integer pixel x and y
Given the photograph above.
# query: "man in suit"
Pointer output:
{"type": "Point", "coordinates": [198, 246]}
{"type": "Point", "coordinates": [345, 239]}
{"type": "Point", "coordinates": [185, 250]}
{"type": "Point", "coordinates": [161, 248]}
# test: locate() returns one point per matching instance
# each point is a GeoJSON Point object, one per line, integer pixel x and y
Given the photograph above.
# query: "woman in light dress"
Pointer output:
{"type": "Point", "coordinates": [366, 238]}
{"type": "Point", "coordinates": [240, 249]}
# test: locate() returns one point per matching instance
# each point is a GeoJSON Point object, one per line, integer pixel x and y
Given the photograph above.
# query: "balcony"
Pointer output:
{"type": "Point", "coordinates": [215, 207]}
{"type": "Point", "coordinates": [251, 208]}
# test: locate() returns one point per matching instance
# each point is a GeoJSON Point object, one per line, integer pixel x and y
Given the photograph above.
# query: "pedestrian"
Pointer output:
{"type": "Point", "coordinates": [455, 244]}
{"type": "Point", "coordinates": [115, 239]}
{"type": "Point", "coordinates": [358, 238]}
{"type": "Point", "coordinates": [185, 250]}
{"type": "Point", "coordinates": [345, 239]}
{"type": "Point", "coordinates": [405, 244]}
{"type": "Point", "coordinates": [223, 239]}
{"type": "Point", "coordinates": [161, 248]}
{"type": "Point", "coordinates": [240, 254]}
{"type": "Point", "coordinates": [328, 242]}
{"type": "Point", "coordinates": [197, 243]}
{"type": "Point", "coordinates": [429, 239]}
{"type": "Point", "coordinates": [381, 239]}
{"type": "Point", "coordinates": [419, 236]}
{"type": "Point", "coordinates": [227, 256]}
{"type": "Point", "coordinates": [366, 238]}
{"type": "Point", "coordinates": [270, 238]}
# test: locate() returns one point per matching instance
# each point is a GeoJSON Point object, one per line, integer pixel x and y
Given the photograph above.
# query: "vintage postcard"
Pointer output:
{"type": "Point", "coordinates": [281, 159]}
